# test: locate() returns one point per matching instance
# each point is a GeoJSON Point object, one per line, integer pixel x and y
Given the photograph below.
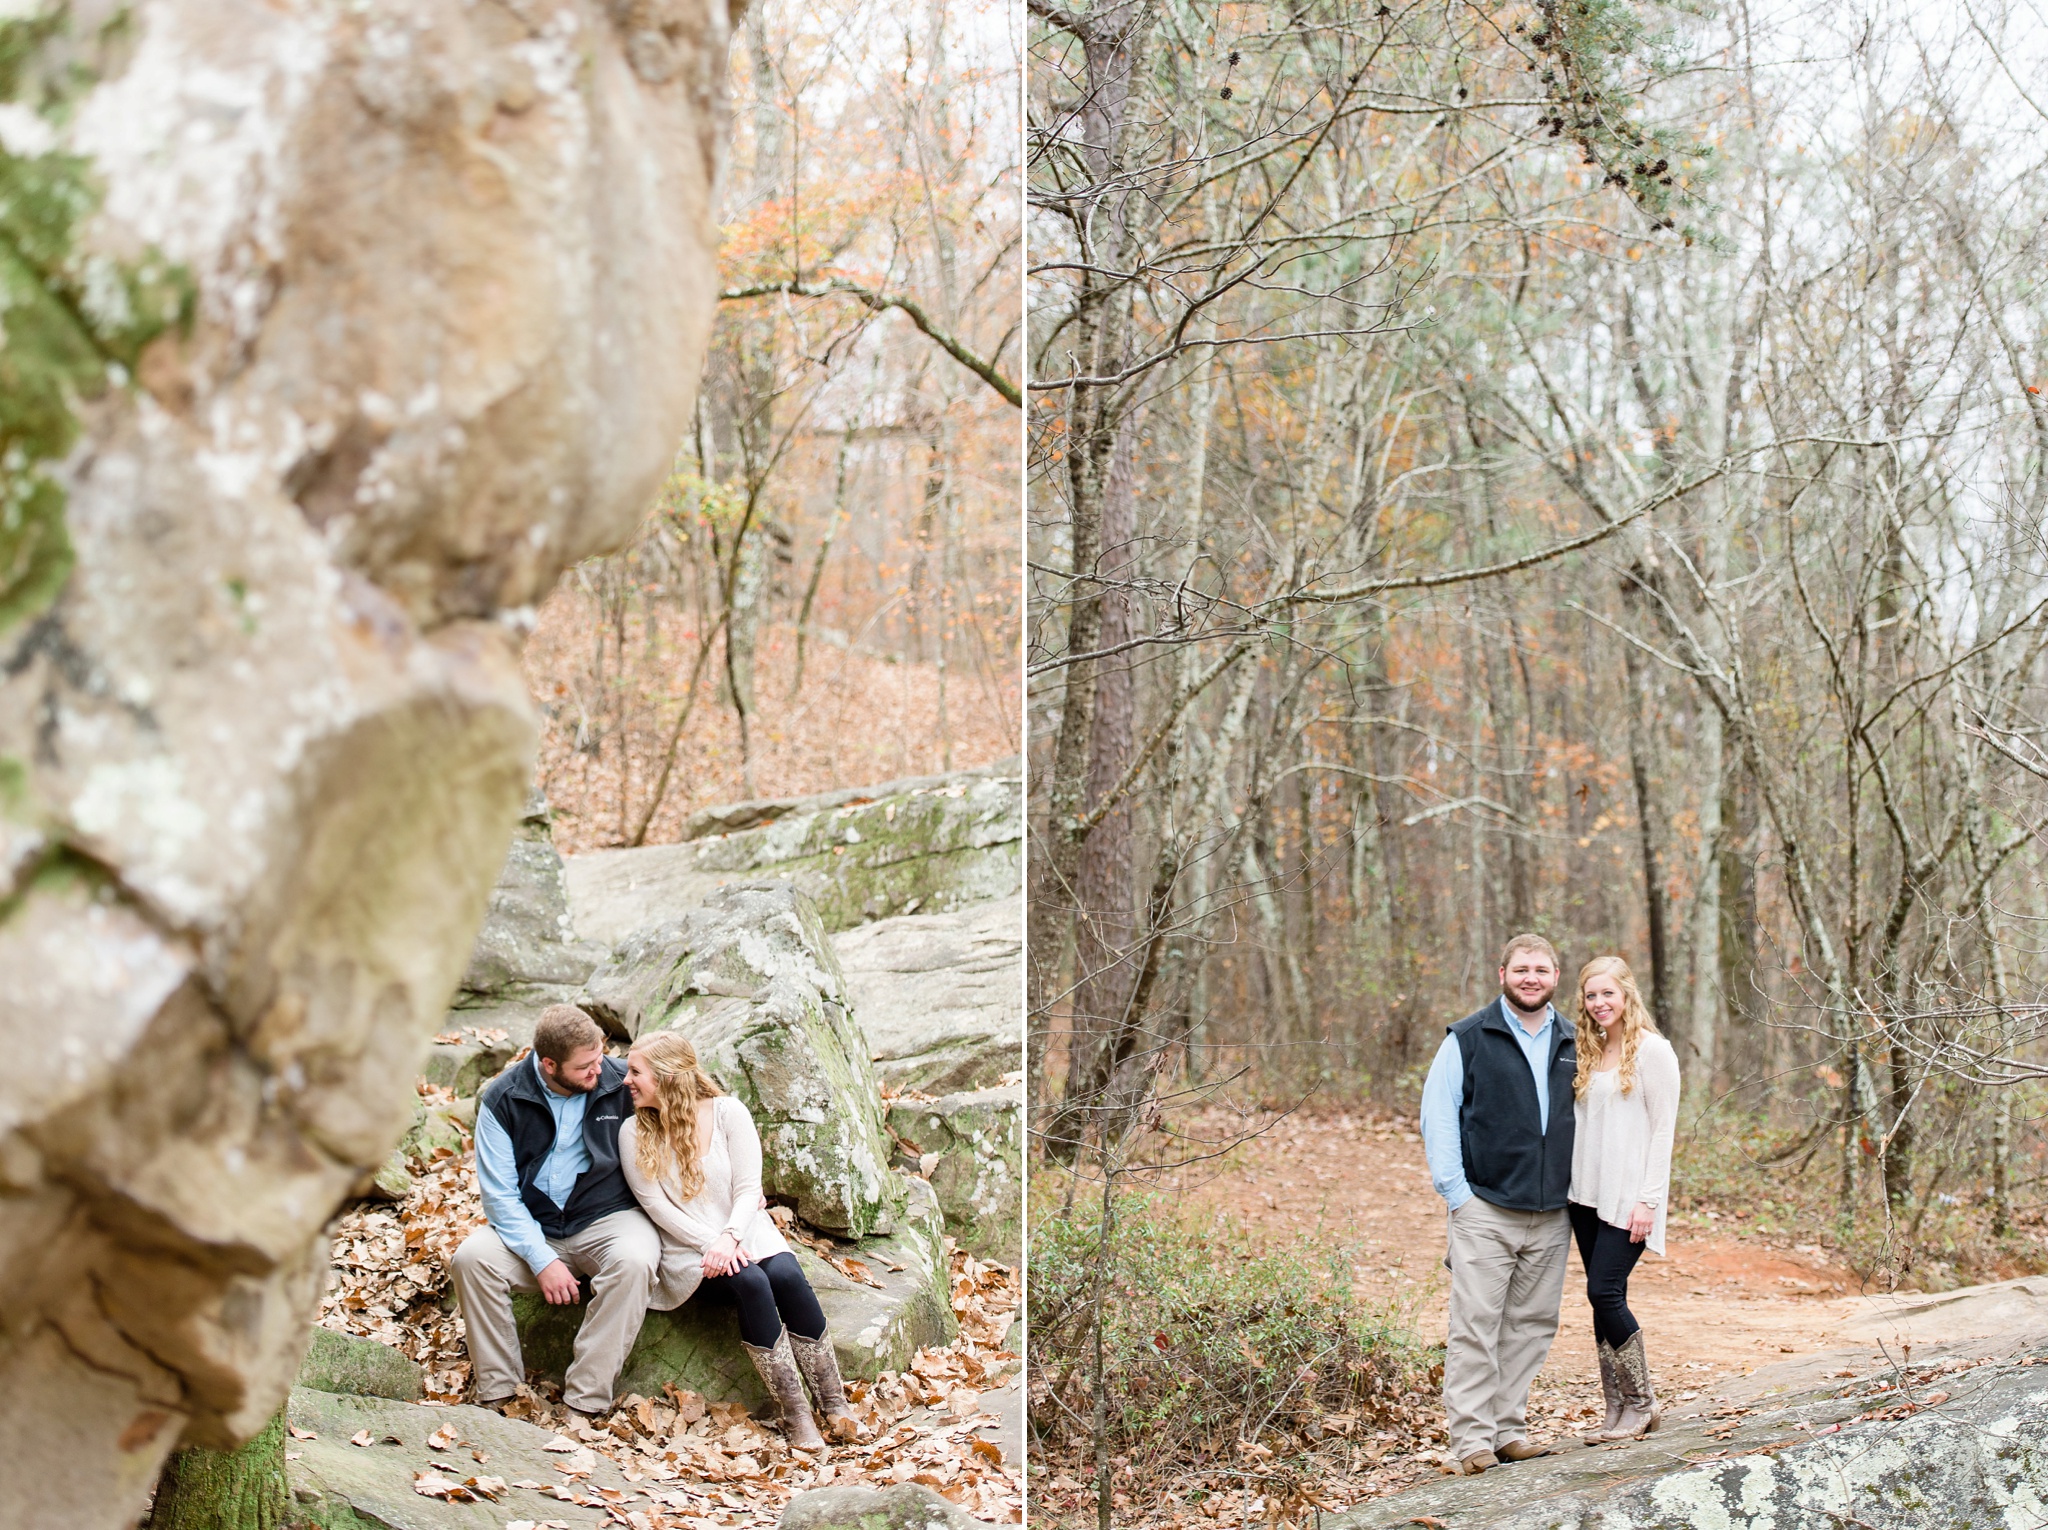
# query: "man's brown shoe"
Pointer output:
{"type": "Point", "coordinates": [1479, 1461]}
{"type": "Point", "coordinates": [1521, 1450]}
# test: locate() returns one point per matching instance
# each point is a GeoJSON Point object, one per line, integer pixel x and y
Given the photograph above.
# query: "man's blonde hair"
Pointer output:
{"type": "Point", "coordinates": [1530, 943]}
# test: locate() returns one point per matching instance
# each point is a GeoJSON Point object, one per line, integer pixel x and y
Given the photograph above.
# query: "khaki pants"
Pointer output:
{"type": "Point", "coordinates": [621, 1255]}
{"type": "Point", "coordinates": [1507, 1278]}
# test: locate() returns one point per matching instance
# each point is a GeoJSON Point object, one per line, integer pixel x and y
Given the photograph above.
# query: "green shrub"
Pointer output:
{"type": "Point", "coordinates": [1207, 1347]}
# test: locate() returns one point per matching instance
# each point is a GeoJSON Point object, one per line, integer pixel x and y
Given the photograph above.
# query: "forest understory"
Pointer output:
{"type": "Point", "coordinates": [1336, 1200]}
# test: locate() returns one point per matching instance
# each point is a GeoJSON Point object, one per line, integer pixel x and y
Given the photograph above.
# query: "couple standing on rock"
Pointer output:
{"type": "Point", "coordinates": [1523, 1176]}
{"type": "Point", "coordinates": [644, 1177]}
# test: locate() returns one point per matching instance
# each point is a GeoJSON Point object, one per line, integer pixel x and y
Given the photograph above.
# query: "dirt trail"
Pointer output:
{"type": "Point", "coordinates": [1713, 1308]}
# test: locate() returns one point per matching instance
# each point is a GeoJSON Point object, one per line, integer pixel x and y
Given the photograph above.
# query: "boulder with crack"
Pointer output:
{"type": "Point", "coordinates": [263, 738]}
{"type": "Point", "coordinates": [526, 957]}
{"type": "Point", "coordinates": [938, 996]}
{"type": "Point", "coordinates": [930, 845]}
{"type": "Point", "coordinates": [970, 1147]}
{"type": "Point", "coordinates": [751, 979]}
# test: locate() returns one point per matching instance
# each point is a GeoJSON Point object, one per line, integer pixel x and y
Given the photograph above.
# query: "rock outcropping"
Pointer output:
{"type": "Point", "coordinates": [876, 1324]}
{"type": "Point", "coordinates": [1955, 1450]}
{"type": "Point", "coordinates": [970, 1147]}
{"type": "Point", "coordinates": [940, 997]}
{"type": "Point", "coordinates": [751, 979]}
{"type": "Point", "coordinates": [262, 750]}
{"type": "Point", "coordinates": [929, 845]}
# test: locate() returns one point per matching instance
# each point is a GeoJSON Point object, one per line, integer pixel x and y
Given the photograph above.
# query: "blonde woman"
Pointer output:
{"type": "Point", "coordinates": [1625, 1109]}
{"type": "Point", "coordinates": [693, 1160]}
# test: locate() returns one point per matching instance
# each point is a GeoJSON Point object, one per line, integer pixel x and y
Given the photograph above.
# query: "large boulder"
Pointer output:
{"type": "Point", "coordinates": [751, 979]}
{"type": "Point", "coordinates": [527, 949]}
{"type": "Point", "coordinates": [970, 1147]}
{"type": "Point", "coordinates": [263, 737]}
{"type": "Point", "coordinates": [876, 1324]}
{"type": "Point", "coordinates": [343, 1362]}
{"type": "Point", "coordinates": [931, 845]}
{"type": "Point", "coordinates": [526, 957]}
{"type": "Point", "coordinates": [939, 996]}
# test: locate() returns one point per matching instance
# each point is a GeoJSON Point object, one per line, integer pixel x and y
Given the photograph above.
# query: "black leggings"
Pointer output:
{"type": "Point", "coordinates": [769, 1293]}
{"type": "Point", "coordinates": [1609, 1256]}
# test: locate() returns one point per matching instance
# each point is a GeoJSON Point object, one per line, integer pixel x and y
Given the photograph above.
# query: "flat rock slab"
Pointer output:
{"type": "Point", "coordinates": [354, 1487]}
{"type": "Point", "coordinates": [1802, 1458]}
{"type": "Point", "coordinates": [939, 996]}
{"type": "Point", "coordinates": [697, 1346]}
{"type": "Point", "coordinates": [930, 848]}
{"type": "Point", "coordinates": [908, 1506]}
{"type": "Point", "coordinates": [2006, 1307]}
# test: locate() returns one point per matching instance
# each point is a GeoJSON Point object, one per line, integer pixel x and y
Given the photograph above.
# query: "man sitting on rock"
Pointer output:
{"type": "Point", "coordinates": [547, 1163]}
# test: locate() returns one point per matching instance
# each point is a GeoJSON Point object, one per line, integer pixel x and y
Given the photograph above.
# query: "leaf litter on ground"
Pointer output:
{"type": "Point", "coordinates": [690, 1463]}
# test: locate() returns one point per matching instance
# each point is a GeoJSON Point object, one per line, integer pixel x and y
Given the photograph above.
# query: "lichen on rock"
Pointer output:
{"type": "Point", "coordinates": [751, 979]}
{"type": "Point", "coordinates": [930, 845]}
{"type": "Point", "coordinates": [449, 271]}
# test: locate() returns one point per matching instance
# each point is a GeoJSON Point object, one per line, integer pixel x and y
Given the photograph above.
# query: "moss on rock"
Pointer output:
{"type": "Point", "coordinates": [752, 980]}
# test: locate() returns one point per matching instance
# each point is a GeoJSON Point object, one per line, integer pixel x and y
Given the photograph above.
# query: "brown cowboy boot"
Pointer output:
{"type": "Point", "coordinates": [777, 1365]}
{"type": "Point", "coordinates": [1639, 1413]}
{"type": "Point", "coordinates": [820, 1367]}
{"type": "Point", "coordinates": [1610, 1390]}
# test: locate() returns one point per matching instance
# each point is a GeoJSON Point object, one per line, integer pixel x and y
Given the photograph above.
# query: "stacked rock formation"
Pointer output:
{"type": "Point", "coordinates": [261, 753]}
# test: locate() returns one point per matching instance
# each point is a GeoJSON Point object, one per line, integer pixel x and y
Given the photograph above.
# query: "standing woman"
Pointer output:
{"type": "Point", "coordinates": [1625, 1101]}
{"type": "Point", "coordinates": [693, 1160]}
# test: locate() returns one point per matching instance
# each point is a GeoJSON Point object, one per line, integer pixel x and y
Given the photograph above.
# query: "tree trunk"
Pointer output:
{"type": "Point", "coordinates": [1705, 1027]}
{"type": "Point", "coordinates": [1105, 929]}
{"type": "Point", "coordinates": [226, 1490]}
{"type": "Point", "coordinates": [1646, 819]}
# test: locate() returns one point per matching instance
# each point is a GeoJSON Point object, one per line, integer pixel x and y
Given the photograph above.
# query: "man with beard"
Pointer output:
{"type": "Point", "coordinates": [557, 1207]}
{"type": "Point", "coordinates": [1497, 1127]}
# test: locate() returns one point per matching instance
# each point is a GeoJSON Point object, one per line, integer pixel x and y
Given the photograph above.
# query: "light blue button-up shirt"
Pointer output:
{"type": "Point", "coordinates": [1443, 1091]}
{"type": "Point", "coordinates": [497, 1175]}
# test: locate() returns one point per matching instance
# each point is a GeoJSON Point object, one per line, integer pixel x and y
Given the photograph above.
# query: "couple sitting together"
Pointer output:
{"type": "Point", "coordinates": [645, 1178]}
{"type": "Point", "coordinates": [1523, 1176]}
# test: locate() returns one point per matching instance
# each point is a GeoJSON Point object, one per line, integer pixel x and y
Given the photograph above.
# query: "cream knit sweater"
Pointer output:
{"type": "Point", "coordinates": [729, 1202]}
{"type": "Point", "coordinates": [1621, 1148]}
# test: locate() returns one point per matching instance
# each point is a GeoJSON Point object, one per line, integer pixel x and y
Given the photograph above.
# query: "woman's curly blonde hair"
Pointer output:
{"type": "Point", "coordinates": [667, 1133]}
{"type": "Point", "coordinates": [1635, 1024]}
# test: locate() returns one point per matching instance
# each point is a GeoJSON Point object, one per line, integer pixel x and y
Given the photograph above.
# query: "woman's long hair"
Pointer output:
{"type": "Point", "coordinates": [668, 1132]}
{"type": "Point", "coordinates": [1635, 1024]}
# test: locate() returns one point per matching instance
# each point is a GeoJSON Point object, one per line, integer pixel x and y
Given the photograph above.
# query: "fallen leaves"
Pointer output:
{"type": "Point", "coordinates": [694, 1464]}
{"type": "Point", "coordinates": [433, 1483]}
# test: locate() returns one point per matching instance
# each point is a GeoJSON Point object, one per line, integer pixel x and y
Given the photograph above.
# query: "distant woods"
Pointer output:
{"type": "Point", "coordinates": [1549, 466]}
{"type": "Point", "coordinates": [827, 591]}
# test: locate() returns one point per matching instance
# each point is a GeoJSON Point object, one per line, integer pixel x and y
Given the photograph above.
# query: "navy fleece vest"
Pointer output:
{"type": "Point", "coordinates": [1510, 1160]}
{"type": "Point", "coordinates": [516, 1097]}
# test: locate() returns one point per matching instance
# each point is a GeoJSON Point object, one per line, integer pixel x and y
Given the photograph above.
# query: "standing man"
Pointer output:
{"type": "Point", "coordinates": [1497, 1126]}
{"type": "Point", "coordinates": [557, 1207]}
